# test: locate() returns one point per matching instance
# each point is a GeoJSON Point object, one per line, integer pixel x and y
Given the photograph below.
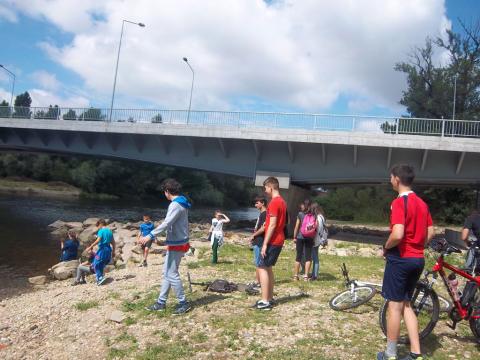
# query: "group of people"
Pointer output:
{"type": "Point", "coordinates": [411, 230]}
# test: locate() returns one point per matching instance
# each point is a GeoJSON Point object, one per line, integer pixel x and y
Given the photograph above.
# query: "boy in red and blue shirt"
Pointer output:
{"type": "Point", "coordinates": [411, 229]}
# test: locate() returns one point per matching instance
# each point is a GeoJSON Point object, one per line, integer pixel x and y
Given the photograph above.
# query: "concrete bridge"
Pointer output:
{"type": "Point", "coordinates": [308, 149]}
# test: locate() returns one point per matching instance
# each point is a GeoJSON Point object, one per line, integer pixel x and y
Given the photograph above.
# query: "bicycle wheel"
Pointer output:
{"type": "Point", "coordinates": [426, 306]}
{"type": "Point", "coordinates": [349, 299]}
{"type": "Point", "coordinates": [445, 304]}
{"type": "Point", "coordinates": [474, 320]}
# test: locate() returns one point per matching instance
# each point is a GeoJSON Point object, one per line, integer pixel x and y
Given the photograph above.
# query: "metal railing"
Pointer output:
{"type": "Point", "coordinates": [265, 120]}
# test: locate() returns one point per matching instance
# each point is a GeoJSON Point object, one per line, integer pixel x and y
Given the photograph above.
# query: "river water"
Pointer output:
{"type": "Point", "coordinates": [26, 247]}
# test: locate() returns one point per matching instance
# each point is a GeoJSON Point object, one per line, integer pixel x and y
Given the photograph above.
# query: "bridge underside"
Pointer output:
{"type": "Point", "coordinates": [307, 163]}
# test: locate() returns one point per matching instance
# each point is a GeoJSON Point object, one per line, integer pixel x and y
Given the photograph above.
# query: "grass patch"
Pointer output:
{"type": "Point", "coordinates": [122, 346]}
{"type": "Point", "coordinates": [167, 351]}
{"type": "Point", "coordinates": [85, 305]}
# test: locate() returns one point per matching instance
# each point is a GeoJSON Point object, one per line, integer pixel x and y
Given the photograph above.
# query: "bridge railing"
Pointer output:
{"type": "Point", "coordinates": [260, 120]}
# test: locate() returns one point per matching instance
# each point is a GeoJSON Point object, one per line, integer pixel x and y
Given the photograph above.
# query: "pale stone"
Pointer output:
{"type": "Point", "coordinates": [64, 270]}
{"type": "Point", "coordinates": [57, 224]}
{"type": "Point", "coordinates": [74, 224]}
{"type": "Point", "coordinates": [91, 221]}
{"type": "Point", "coordinates": [117, 316]}
{"type": "Point", "coordinates": [37, 280]}
{"type": "Point", "coordinates": [88, 235]}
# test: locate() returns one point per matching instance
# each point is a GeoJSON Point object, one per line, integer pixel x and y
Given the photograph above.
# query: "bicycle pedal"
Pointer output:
{"type": "Point", "coordinates": [453, 326]}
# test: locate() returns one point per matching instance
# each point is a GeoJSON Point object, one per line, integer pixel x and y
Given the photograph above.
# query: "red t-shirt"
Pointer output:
{"type": "Point", "coordinates": [183, 248]}
{"type": "Point", "coordinates": [418, 219]}
{"type": "Point", "coordinates": [277, 208]}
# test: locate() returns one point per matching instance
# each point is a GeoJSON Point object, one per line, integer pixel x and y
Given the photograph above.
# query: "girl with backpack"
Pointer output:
{"type": "Point", "coordinates": [319, 240]}
{"type": "Point", "coordinates": [303, 235]}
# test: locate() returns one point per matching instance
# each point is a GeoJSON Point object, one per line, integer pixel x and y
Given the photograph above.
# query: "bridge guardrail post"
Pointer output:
{"type": "Point", "coordinates": [353, 124]}
{"type": "Point", "coordinates": [397, 125]}
{"type": "Point", "coordinates": [443, 128]}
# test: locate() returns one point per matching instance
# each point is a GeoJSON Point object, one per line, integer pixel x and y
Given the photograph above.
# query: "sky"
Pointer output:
{"type": "Point", "coordinates": [313, 56]}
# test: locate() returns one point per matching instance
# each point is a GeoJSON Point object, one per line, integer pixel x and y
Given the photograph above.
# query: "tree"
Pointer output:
{"type": "Point", "coordinates": [5, 110]}
{"type": "Point", "coordinates": [70, 115]}
{"type": "Point", "coordinates": [22, 105]}
{"type": "Point", "coordinates": [430, 90]}
{"type": "Point", "coordinates": [92, 114]}
{"type": "Point", "coordinates": [53, 112]}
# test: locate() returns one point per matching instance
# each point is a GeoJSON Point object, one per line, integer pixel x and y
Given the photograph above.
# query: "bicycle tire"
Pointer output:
{"type": "Point", "coordinates": [474, 320]}
{"type": "Point", "coordinates": [346, 300]}
{"type": "Point", "coordinates": [426, 320]}
{"type": "Point", "coordinates": [445, 304]}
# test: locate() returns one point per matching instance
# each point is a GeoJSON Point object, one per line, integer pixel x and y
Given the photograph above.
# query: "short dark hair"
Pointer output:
{"type": "Point", "coordinates": [272, 181]}
{"type": "Point", "coordinates": [404, 172]}
{"type": "Point", "coordinates": [172, 186]}
{"type": "Point", "coordinates": [101, 222]}
{"type": "Point", "coordinates": [261, 199]}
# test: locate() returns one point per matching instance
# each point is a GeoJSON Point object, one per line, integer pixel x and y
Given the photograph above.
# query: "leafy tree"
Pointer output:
{"type": "Point", "coordinates": [70, 115]}
{"type": "Point", "coordinates": [22, 105]}
{"type": "Point", "coordinates": [157, 119]}
{"type": "Point", "coordinates": [5, 110]}
{"type": "Point", "coordinates": [92, 114]}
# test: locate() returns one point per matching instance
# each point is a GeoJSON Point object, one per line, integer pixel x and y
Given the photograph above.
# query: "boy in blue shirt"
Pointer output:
{"type": "Point", "coordinates": [105, 252]}
{"type": "Point", "coordinates": [69, 247]}
{"type": "Point", "coordinates": [145, 228]}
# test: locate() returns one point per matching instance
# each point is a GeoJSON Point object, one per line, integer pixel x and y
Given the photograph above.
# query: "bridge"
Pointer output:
{"type": "Point", "coordinates": [307, 149]}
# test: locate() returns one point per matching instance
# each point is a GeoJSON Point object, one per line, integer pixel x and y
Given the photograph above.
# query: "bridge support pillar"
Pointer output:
{"type": "Point", "coordinates": [293, 195]}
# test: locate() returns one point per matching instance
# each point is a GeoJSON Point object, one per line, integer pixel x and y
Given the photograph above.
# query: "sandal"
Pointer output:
{"type": "Point", "coordinates": [306, 278]}
{"type": "Point", "coordinates": [295, 278]}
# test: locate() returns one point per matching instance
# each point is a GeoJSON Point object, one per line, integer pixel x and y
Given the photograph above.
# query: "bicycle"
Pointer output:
{"type": "Point", "coordinates": [425, 301]}
{"type": "Point", "coordinates": [360, 292]}
{"type": "Point", "coordinates": [357, 293]}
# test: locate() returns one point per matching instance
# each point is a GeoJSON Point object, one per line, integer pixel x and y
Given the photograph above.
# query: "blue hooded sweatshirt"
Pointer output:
{"type": "Point", "coordinates": [175, 223]}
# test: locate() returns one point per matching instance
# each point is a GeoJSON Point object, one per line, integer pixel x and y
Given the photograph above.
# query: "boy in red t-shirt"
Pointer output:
{"type": "Point", "coordinates": [273, 242]}
{"type": "Point", "coordinates": [411, 230]}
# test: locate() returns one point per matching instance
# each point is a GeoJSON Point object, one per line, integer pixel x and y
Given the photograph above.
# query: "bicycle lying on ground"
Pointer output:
{"type": "Point", "coordinates": [360, 292]}
{"type": "Point", "coordinates": [425, 301]}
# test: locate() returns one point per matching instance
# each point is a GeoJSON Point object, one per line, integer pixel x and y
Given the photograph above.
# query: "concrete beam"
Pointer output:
{"type": "Point", "coordinates": [193, 145]}
{"type": "Point", "coordinates": [258, 150]}
{"type": "Point", "coordinates": [5, 134]}
{"type": "Point", "coordinates": [355, 155]}
{"type": "Point", "coordinates": [291, 151]}
{"type": "Point", "coordinates": [66, 138]}
{"type": "Point", "coordinates": [43, 136]}
{"type": "Point", "coordinates": [324, 153]}
{"type": "Point", "coordinates": [389, 158]}
{"type": "Point", "coordinates": [22, 135]}
{"type": "Point", "coordinates": [424, 160]}
{"type": "Point", "coordinates": [89, 138]}
{"type": "Point", "coordinates": [139, 142]}
{"type": "Point", "coordinates": [460, 162]}
{"type": "Point", "coordinates": [114, 141]}
{"type": "Point", "coordinates": [164, 143]}
{"type": "Point", "coordinates": [223, 147]}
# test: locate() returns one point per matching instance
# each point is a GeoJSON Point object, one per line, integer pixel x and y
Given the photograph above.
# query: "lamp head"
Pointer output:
{"type": "Point", "coordinates": [185, 59]}
{"type": "Point", "coordinates": [141, 24]}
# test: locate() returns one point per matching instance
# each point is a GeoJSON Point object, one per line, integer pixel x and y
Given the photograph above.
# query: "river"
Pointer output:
{"type": "Point", "coordinates": [26, 247]}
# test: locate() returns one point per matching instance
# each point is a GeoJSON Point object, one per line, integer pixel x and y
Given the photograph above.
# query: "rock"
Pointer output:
{"type": "Point", "coordinates": [33, 327]}
{"type": "Point", "coordinates": [119, 264]}
{"type": "Point", "coordinates": [60, 232]}
{"type": "Point", "coordinates": [37, 280]}
{"type": "Point", "coordinates": [74, 225]}
{"type": "Point", "coordinates": [127, 252]}
{"type": "Point", "coordinates": [341, 252]}
{"type": "Point", "coordinates": [91, 221]}
{"type": "Point", "coordinates": [57, 224]}
{"type": "Point", "coordinates": [366, 252]}
{"type": "Point", "coordinates": [4, 327]}
{"type": "Point", "coordinates": [117, 316]}
{"type": "Point", "coordinates": [109, 268]}
{"type": "Point", "coordinates": [137, 250]}
{"type": "Point", "coordinates": [64, 270]}
{"type": "Point", "coordinates": [157, 250]}
{"type": "Point", "coordinates": [88, 235]}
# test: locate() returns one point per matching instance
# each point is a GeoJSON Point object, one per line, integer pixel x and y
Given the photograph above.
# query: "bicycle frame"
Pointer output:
{"type": "Point", "coordinates": [439, 266]}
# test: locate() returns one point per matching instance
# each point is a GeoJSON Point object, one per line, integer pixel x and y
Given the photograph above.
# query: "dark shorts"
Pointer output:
{"type": "Point", "coordinates": [400, 278]}
{"type": "Point", "coordinates": [147, 245]}
{"type": "Point", "coordinates": [304, 249]}
{"type": "Point", "coordinates": [271, 257]}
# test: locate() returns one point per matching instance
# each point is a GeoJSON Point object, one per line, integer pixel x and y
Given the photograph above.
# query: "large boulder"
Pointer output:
{"type": "Point", "coordinates": [127, 252]}
{"type": "Point", "coordinates": [88, 235]}
{"type": "Point", "coordinates": [38, 280]}
{"type": "Point", "coordinates": [64, 270]}
{"type": "Point", "coordinates": [91, 221]}
{"type": "Point", "coordinates": [74, 225]}
{"type": "Point", "coordinates": [60, 232]}
{"type": "Point", "coordinates": [57, 224]}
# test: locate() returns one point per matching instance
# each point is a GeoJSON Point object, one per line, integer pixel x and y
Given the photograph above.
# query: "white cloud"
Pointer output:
{"type": "Point", "coordinates": [5, 95]}
{"type": "Point", "coordinates": [45, 98]}
{"type": "Point", "coordinates": [299, 53]}
{"type": "Point", "coordinates": [46, 80]}
{"type": "Point", "coordinates": [7, 14]}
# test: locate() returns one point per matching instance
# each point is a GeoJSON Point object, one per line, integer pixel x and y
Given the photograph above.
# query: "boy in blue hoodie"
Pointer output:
{"type": "Point", "coordinates": [176, 226]}
{"type": "Point", "coordinates": [105, 252]}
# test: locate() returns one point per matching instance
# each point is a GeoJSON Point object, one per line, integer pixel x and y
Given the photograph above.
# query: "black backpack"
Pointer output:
{"type": "Point", "coordinates": [222, 286]}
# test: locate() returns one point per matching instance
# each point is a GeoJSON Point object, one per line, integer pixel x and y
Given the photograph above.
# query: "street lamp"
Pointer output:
{"type": "Point", "coordinates": [13, 84]}
{"type": "Point", "coordinates": [118, 57]}
{"type": "Point", "coordinates": [454, 95]}
{"type": "Point", "coordinates": [191, 90]}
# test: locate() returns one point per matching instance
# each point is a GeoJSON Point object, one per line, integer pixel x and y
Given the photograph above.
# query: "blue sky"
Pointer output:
{"type": "Point", "coordinates": [264, 57]}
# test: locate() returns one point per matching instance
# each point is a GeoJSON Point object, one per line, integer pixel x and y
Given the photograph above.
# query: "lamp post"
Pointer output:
{"type": "Point", "coordinates": [191, 89]}
{"type": "Point", "coordinates": [13, 84]}
{"type": "Point", "coordinates": [118, 58]}
{"type": "Point", "coordinates": [454, 95]}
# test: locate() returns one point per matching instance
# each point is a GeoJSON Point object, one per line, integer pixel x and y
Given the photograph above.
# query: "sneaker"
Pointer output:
{"type": "Point", "coordinates": [264, 305]}
{"type": "Point", "coordinates": [143, 264]}
{"type": "Point", "coordinates": [410, 357]}
{"type": "Point", "coordinates": [382, 356]}
{"type": "Point", "coordinates": [156, 307]}
{"type": "Point", "coordinates": [101, 280]}
{"type": "Point", "coordinates": [182, 309]}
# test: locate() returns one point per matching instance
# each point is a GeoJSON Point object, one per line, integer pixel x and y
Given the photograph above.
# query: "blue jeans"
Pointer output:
{"type": "Point", "coordinates": [257, 249]}
{"type": "Point", "coordinates": [171, 277]}
{"type": "Point", "coordinates": [315, 262]}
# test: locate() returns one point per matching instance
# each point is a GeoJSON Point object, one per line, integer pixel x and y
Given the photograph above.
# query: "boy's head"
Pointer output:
{"type": "Point", "coordinates": [271, 184]}
{"type": "Point", "coordinates": [171, 188]}
{"type": "Point", "coordinates": [260, 202]}
{"type": "Point", "coordinates": [72, 235]}
{"type": "Point", "coordinates": [402, 175]}
{"type": "Point", "coordinates": [101, 223]}
{"type": "Point", "coordinates": [217, 214]}
{"type": "Point", "coordinates": [147, 218]}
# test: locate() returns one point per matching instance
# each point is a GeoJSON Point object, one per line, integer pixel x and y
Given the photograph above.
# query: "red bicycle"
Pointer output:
{"type": "Point", "coordinates": [466, 306]}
